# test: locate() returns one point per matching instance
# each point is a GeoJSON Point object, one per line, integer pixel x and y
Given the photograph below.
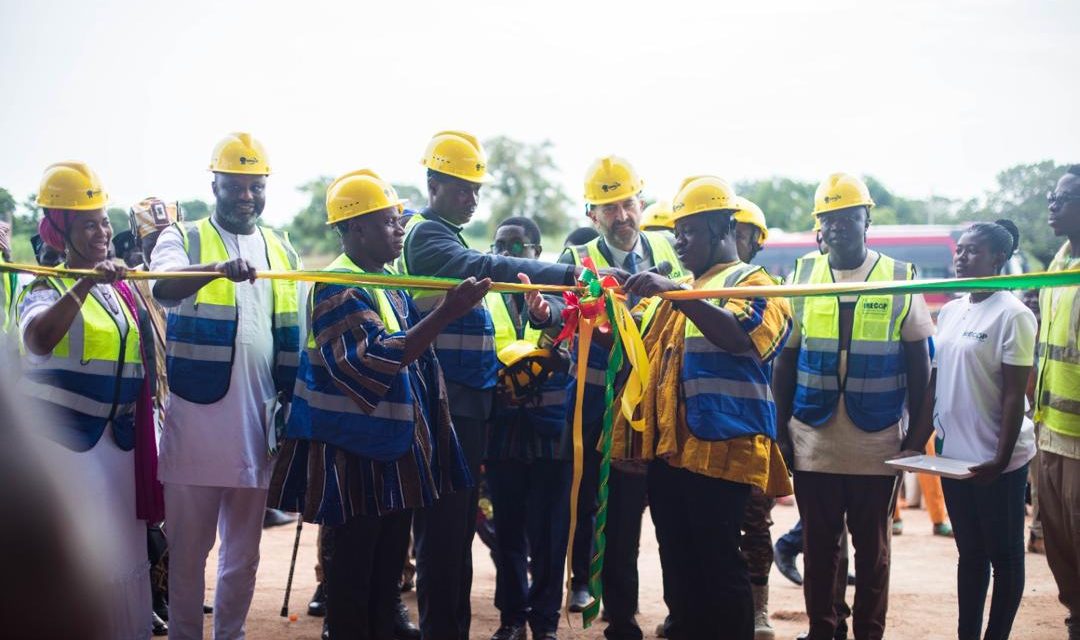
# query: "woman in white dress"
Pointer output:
{"type": "Point", "coordinates": [83, 363]}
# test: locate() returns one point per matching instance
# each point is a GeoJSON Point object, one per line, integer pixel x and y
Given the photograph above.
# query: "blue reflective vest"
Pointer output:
{"type": "Point", "coordinates": [201, 332]}
{"type": "Point", "coordinates": [321, 412]}
{"type": "Point", "coordinates": [466, 347]}
{"type": "Point", "coordinates": [875, 386]}
{"type": "Point", "coordinates": [93, 375]}
{"type": "Point", "coordinates": [727, 395]}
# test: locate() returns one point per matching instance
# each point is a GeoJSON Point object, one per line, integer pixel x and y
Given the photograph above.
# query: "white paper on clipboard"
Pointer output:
{"type": "Point", "coordinates": [936, 465]}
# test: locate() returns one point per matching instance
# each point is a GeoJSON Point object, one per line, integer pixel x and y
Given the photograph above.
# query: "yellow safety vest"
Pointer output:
{"type": "Point", "coordinates": [1057, 395]}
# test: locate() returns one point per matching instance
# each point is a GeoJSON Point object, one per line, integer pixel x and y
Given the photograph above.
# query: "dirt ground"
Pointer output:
{"type": "Point", "coordinates": [922, 591]}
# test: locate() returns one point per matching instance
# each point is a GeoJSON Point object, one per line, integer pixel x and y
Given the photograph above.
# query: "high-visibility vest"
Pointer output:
{"type": "Point", "coordinates": [548, 416]}
{"type": "Point", "coordinates": [1057, 395]}
{"type": "Point", "coordinates": [466, 347]}
{"type": "Point", "coordinates": [320, 411]}
{"type": "Point", "coordinates": [93, 375]}
{"type": "Point", "coordinates": [727, 395]}
{"type": "Point", "coordinates": [662, 251]}
{"type": "Point", "coordinates": [875, 386]}
{"type": "Point", "coordinates": [7, 298]}
{"type": "Point", "coordinates": [201, 332]}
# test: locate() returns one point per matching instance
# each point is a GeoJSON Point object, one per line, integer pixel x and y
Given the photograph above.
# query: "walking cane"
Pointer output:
{"type": "Point", "coordinates": [292, 568]}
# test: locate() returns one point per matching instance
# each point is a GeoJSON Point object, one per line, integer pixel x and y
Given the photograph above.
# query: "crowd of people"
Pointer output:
{"type": "Point", "coordinates": [377, 413]}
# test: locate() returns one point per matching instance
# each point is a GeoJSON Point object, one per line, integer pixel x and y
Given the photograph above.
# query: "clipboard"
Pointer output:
{"type": "Point", "coordinates": [936, 465]}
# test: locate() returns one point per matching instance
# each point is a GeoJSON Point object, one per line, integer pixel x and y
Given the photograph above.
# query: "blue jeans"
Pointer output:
{"type": "Point", "coordinates": [791, 543]}
{"type": "Point", "coordinates": [988, 524]}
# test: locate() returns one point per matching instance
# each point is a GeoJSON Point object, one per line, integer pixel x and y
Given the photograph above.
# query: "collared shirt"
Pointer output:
{"type": "Point", "coordinates": [644, 259]}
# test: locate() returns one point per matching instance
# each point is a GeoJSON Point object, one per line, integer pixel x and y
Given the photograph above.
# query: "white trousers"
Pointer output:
{"type": "Point", "coordinates": [192, 513]}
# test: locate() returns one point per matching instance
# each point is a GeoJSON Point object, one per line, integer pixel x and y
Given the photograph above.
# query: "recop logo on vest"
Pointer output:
{"type": "Point", "coordinates": [873, 306]}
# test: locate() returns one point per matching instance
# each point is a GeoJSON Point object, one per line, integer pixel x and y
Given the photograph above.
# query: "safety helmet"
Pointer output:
{"type": "Point", "coordinates": [359, 192]}
{"type": "Point", "coordinates": [657, 214]}
{"type": "Point", "coordinates": [841, 191]}
{"type": "Point", "coordinates": [240, 153]}
{"type": "Point", "coordinates": [523, 371]}
{"type": "Point", "coordinates": [457, 154]}
{"type": "Point", "coordinates": [611, 179]}
{"type": "Point", "coordinates": [750, 213]}
{"type": "Point", "coordinates": [700, 194]}
{"type": "Point", "coordinates": [73, 186]}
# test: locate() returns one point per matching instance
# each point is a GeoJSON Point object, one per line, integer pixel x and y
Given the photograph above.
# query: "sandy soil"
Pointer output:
{"type": "Point", "coordinates": [922, 602]}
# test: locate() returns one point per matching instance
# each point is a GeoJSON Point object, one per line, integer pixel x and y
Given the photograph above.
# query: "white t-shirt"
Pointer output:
{"type": "Point", "coordinates": [973, 341]}
{"type": "Point", "coordinates": [223, 444]}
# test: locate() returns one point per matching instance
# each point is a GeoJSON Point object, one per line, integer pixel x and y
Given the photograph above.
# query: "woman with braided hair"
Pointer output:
{"type": "Point", "coordinates": [975, 406]}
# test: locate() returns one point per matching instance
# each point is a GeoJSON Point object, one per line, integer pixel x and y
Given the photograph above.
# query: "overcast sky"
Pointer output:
{"type": "Point", "coordinates": [930, 97]}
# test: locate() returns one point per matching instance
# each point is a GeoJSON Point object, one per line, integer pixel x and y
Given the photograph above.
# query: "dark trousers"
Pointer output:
{"type": "Point", "coordinates": [706, 584]}
{"type": "Point", "coordinates": [627, 493]}
{"type": "Point", "coordinates": [791, 543]}
{"type": "Point", "coordinates": [756, 541]}
{"type": "Point", "coordinates": [988, 525]}
{"type": "Point", "coordinates": [583, 531]}
{"type": "Point", "coordinates": [363, 575]}
{"type": "Point", "coordinates": [532, 514]}
{"type": "Point", "coordinates": [443, 541]}
{"type": "Point", "coordinates": [825, 500]}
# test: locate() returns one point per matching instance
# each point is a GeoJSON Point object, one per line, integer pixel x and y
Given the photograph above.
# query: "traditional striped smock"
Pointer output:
{"type": "Point", "coordinates": [328, 484]}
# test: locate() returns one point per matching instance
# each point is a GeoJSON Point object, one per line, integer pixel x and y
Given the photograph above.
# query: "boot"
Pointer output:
{"type": "Point", "coordinates": [762, 629]}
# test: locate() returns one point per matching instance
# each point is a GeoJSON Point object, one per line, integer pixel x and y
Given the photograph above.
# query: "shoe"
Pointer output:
{"type": "Point", "coordinates": [207, 609]}
{"type": "Point", "coordinates": [839, 634]}
{"type": "Point", "coordinates": [762, 629]}
{"type": "Point", "coordinates": [325, 635]}
{"type": "Point", "coordinates": [786, 564]}
{"type": "Point", "coordinates": [510, 632]}
{"type": "Point", "coordinates": [897, 527]}
{"type": "Point", "coordinates": [943, 529]}
{"type": "Point", "coordinates": [579, 599]}
{"type": "Point", "coordinates": [851, 579]}
{"type": "Point", "coordinates": [1036, 545]}
{"type": "Point", "coordinates": [545, 635]}
{"type": "Point", "coordinates": [160, 628]}
{"type": "Point", "coordinates": [404, 629]}
{"type": "Point", "coordinates": [317, 606]}
{"type": "Point", "coordinates": [276, 518]}
{"type": "Point", "coordinates": [160, 605]}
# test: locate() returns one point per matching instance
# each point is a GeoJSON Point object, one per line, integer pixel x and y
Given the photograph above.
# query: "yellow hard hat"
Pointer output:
{"type": "Point", "coordinates": [748, 212]}
{"type": "Point", "coordinates": [657, 214]}
{"type": "Point", "coordinates": [457, 154]}
{"type": "Point", "coordinates": [359, 192]}
{"type": "Point", "coordinates": [841, 191]}
{"type": "Point", "coordinates": [523, 371]}
{"type": "Point", "coordinates": [73, 186]}
{"type": "Point", "coordinates": [240, 153]}
{"type": "Point", "coordinates": [611, 179]}
{"type": "Point", "coordinates": [700, 194]}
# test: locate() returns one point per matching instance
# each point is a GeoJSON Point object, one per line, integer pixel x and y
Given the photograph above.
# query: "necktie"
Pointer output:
{"type": "Point", "coordinates": [631, 265]}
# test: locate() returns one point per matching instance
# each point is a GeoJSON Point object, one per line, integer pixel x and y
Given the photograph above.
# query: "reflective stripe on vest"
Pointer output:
{"type": "Point", "coordinates": [727, 395]}
{"type": "Point", "coordinates": [875, 386]}
{"type": "Point", "coordinates": [93, 375]}
{"type": "Point", "coordinates": [466, 347]}
{"type": "Point", "coordinates": [548, 416]}
{"type": "Point", "coordinates": [201, 331]}
{"type": "Point", "coordinates": [8, 299]}
{"type": "Point", "coordinates": [322, 412]}
{"type": "Point", "coordinates": [1057, 397]}
{"type": "Point", "coordinates": [595, 375]}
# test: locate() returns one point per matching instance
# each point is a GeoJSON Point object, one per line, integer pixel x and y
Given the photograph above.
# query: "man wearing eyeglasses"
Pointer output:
{"type": "Point", "coordinates": [1057, 404]}
{"type": "Point", "coordinates": [614, 205]}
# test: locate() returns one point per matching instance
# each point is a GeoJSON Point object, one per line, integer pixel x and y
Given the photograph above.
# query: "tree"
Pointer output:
{"type": "Point", "coordinates": [1021, 197]}
{"type": "Point", "coordinates": [7, 205]}
{"type": "Point", "coordinates": [119, 219]}
{"type": "Point", "coordinates": [308, 228]}
{"type": "Point", "coordinates": [787, 203]}
{"type": "Point", "coordinates": [195, 209]}
{"type": "Point", "coordinates": [523, 185]}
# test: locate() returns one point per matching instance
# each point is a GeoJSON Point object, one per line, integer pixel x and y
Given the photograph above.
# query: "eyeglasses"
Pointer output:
{"type": "Point", "coordinates": [1061, 198]}
{"type": "Point", "coordinates": [515, 248]}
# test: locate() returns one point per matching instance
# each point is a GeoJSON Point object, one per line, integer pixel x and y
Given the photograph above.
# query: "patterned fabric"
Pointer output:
{"type": "Point", "coordinates": [330, 485]}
